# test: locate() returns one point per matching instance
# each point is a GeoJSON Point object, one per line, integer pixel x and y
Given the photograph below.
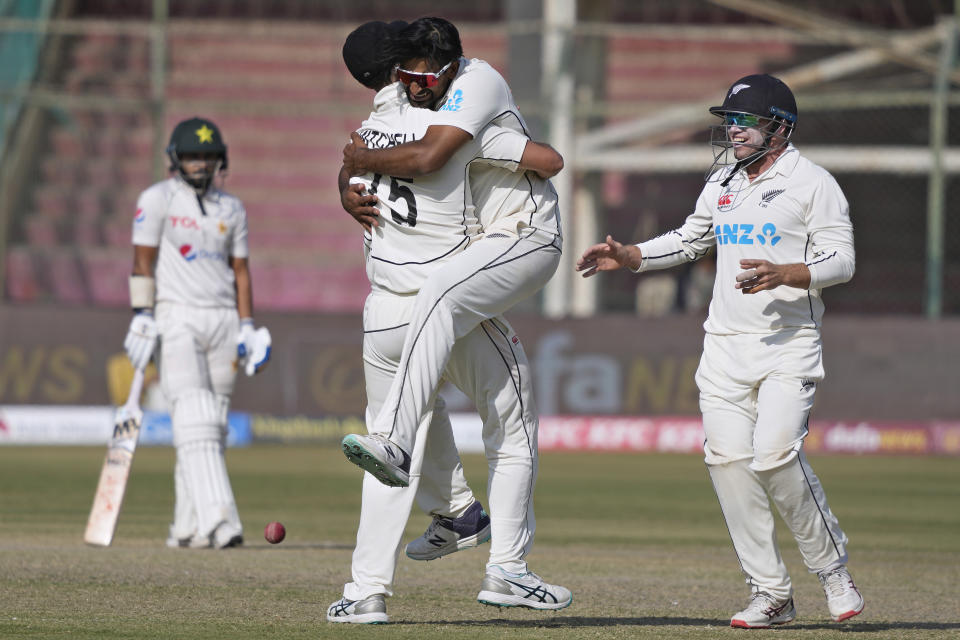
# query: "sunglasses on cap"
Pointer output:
{"type": "Point", "coordinates": [425, 79]}
{"type": "Point", "coordinates": [741, 120]}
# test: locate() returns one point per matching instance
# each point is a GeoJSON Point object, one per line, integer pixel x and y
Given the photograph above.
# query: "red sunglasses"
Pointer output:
{"type": "Point", "coordinates": [426, 79]}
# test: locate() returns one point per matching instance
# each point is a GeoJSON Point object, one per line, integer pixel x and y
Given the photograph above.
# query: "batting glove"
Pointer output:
{"type": "Point", "coordinates": [141, 339]}
{"type": "Point", "coordinates": [253, 347]}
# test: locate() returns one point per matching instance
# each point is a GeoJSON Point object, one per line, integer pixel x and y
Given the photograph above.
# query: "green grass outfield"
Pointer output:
{"type": "Point", "coordinates": [638, 538]}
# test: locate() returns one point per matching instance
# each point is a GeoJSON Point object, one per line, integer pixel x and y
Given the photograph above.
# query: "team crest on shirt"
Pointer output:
{"type": "Point", "coordinates": [767, 196]}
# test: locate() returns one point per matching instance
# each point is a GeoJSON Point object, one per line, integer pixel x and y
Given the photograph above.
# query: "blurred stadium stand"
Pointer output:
{"type": "Point", "coordinates": [269, 72]}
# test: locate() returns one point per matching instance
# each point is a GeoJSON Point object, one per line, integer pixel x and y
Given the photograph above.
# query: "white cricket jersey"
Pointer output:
{"type": "Point", "coordinates": [426, 220]}
{"type": "Point", "coordinates": [793, 212]}
{"type": "Point", "coordinates": [477, 98]}
{"type": "Point", "coordinates": [192, 266]}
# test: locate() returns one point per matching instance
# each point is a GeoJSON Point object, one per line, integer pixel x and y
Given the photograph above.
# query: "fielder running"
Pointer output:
{"type": "Point", "coordinates": [782, 231]}
{"type": "Point", "coordinates": [199, 302]}
{"type": "Point", "coordinates": [492, 361]}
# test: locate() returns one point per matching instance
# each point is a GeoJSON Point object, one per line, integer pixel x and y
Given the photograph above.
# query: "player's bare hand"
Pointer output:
{"type": "Point", "coordinates": [761, 275]}
{"type": "Point", "coordinates": [352, 154]}
{"type": "Point", "coordinates": [608, 256]}
{"type": "Point", "coordinates": [361, 205]}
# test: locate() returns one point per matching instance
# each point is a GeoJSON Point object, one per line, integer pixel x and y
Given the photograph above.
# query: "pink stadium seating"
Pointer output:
{"type": "Point", "coordinates": [106, 272]}
{"type": "Point", "coordinates": [66, 279]}
{"type": "Point", "coordinates": [22, 283]}
{"type": "Point", "coordinates": [41, 230]}
{"type": "Point", "coordinates": [305, 251]}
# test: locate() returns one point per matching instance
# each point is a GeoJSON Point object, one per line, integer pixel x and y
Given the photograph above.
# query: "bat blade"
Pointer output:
{"type": "Point", "coordinates": [112, 485]}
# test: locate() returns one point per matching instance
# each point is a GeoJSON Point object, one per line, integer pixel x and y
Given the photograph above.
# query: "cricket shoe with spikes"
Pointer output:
{"type": "Point", "coordinates": [843, 598]}
{"type": "Point", "coordinates": [764, 611]}
{"type": "Point", "coordinates": [503, 589]}
{"type": "Point", "coordinates": [446, 535]}
{"type": "Point", "coordinates": [380, 457]}
{"type": "Point", "coordinates": [370, 610]}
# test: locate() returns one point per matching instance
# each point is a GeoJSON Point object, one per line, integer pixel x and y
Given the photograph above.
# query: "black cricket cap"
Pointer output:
{"type": "Point", "coordinates": [760, 95]}
{"type": "Point", "coordinates": [367, 50]}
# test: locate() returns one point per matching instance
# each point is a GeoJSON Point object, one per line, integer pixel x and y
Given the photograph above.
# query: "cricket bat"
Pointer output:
{"type": "Point", "coordinates": [116, 468]}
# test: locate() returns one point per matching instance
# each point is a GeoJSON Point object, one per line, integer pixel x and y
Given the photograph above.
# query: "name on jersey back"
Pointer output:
{"type": "Point", "coordinates": [380, 140]}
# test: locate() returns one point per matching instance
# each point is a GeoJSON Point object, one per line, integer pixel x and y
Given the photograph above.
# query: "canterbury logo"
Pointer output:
{"type": "Point", "coordinates": [770, 195]}
{"type": "Point", "coordinates": [737, 89]}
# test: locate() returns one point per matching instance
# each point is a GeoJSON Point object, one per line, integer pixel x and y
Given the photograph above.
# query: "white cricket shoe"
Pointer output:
{"type": "Point", "coordinates": [370, 610]}
{"type": "Point", "coordinates": [843, 597]}
{"type": "Point", "coordinates": [223, 537]}
{"type": "Point", "coordinates": [502, 589]}
{"type": "Point", "coordinates": [386, 461]}
{"type": "Point", "coordinates": [446, 535]}
{"type": "Point", "coordinates": [763, 611]}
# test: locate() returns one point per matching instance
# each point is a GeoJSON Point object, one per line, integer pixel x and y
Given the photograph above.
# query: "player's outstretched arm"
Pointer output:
{"type": "Point", "coordinates": [408, 160]}
{"type": "Point", "coordinates": [542, 159]}
{"type": "Point", "coordinates": [609, 256]}
{"type": "Point", "coordinates": [358, 203]}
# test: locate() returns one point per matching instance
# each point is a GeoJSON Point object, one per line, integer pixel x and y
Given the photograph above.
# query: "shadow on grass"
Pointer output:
{"type": "Point", "coordinates": [284, 546]}
{"type": "Point", "coordinates": [578, 621]}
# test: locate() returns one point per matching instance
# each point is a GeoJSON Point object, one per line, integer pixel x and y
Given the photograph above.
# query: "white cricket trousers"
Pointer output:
{"type": "Point", "coordinates": [198, 352]}
{"type": "Point", "coordinates": [484, 281]}
{"type": "Point", "coordinates": [756, 392]}
{"type": "Point", "coordinates": [490, 366]}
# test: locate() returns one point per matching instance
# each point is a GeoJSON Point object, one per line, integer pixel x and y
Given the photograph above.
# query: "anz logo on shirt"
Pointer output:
{"type": "Point", "coordinates": [744, 233]}
{"type": "Point", "coordinates": [454, 102]}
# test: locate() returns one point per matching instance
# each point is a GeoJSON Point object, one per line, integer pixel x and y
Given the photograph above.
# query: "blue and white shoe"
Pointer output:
{"type": "Point", "coordinates": [502, 589]}
{"type": "Point", "coordinates": [375, 454]}
{"type": "Point", "coordinates": [447, 535]}
{"type": "Point", "coordinates": [371, 610]}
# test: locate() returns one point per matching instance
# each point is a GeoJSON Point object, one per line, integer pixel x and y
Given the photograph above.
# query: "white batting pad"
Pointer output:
{"type": "Point", "coordinates": [206, 472]}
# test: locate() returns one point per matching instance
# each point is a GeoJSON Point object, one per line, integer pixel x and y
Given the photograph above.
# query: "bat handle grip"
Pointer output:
{"type": "Point", "coordinates": [136, 387]}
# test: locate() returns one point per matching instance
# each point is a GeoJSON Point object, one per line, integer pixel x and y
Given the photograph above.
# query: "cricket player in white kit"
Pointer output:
{"type": "Point", "coordinates": [468, 360]}
{"type": "Point", "coordinates": [417, 234]}
{"type": "Point", "coordinates": [782, 232]}
{"type": "Point", "coordinates": [191, 288]}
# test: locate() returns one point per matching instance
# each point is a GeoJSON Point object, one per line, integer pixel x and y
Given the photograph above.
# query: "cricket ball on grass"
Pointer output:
{"type": "Point", "coordinates": [274, 532]}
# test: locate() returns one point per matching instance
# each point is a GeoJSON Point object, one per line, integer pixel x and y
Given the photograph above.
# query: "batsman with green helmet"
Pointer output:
{"type": "Point", "coordinates": [191, 287]}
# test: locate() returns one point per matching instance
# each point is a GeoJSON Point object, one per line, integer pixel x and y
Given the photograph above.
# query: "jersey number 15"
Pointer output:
{"type": "Point", "coordinates": [398, 191]}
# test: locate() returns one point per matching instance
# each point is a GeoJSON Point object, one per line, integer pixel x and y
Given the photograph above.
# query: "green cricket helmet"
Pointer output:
{"type": "Point", "coordinates": [196, 135]}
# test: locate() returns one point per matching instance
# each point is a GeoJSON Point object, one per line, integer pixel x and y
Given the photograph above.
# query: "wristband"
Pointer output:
{"type": "Point", "coordinates": [143, 290]}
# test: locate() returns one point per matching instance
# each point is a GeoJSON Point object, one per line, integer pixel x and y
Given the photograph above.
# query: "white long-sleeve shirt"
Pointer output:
{"type": "Point", "coordinates": [426, 221]}
{"type": "Point", "coordinates": [793, 212]}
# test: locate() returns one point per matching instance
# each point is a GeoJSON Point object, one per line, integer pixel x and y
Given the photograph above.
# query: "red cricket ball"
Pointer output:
{"type": "Point", "coordinates": [274, 533]}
